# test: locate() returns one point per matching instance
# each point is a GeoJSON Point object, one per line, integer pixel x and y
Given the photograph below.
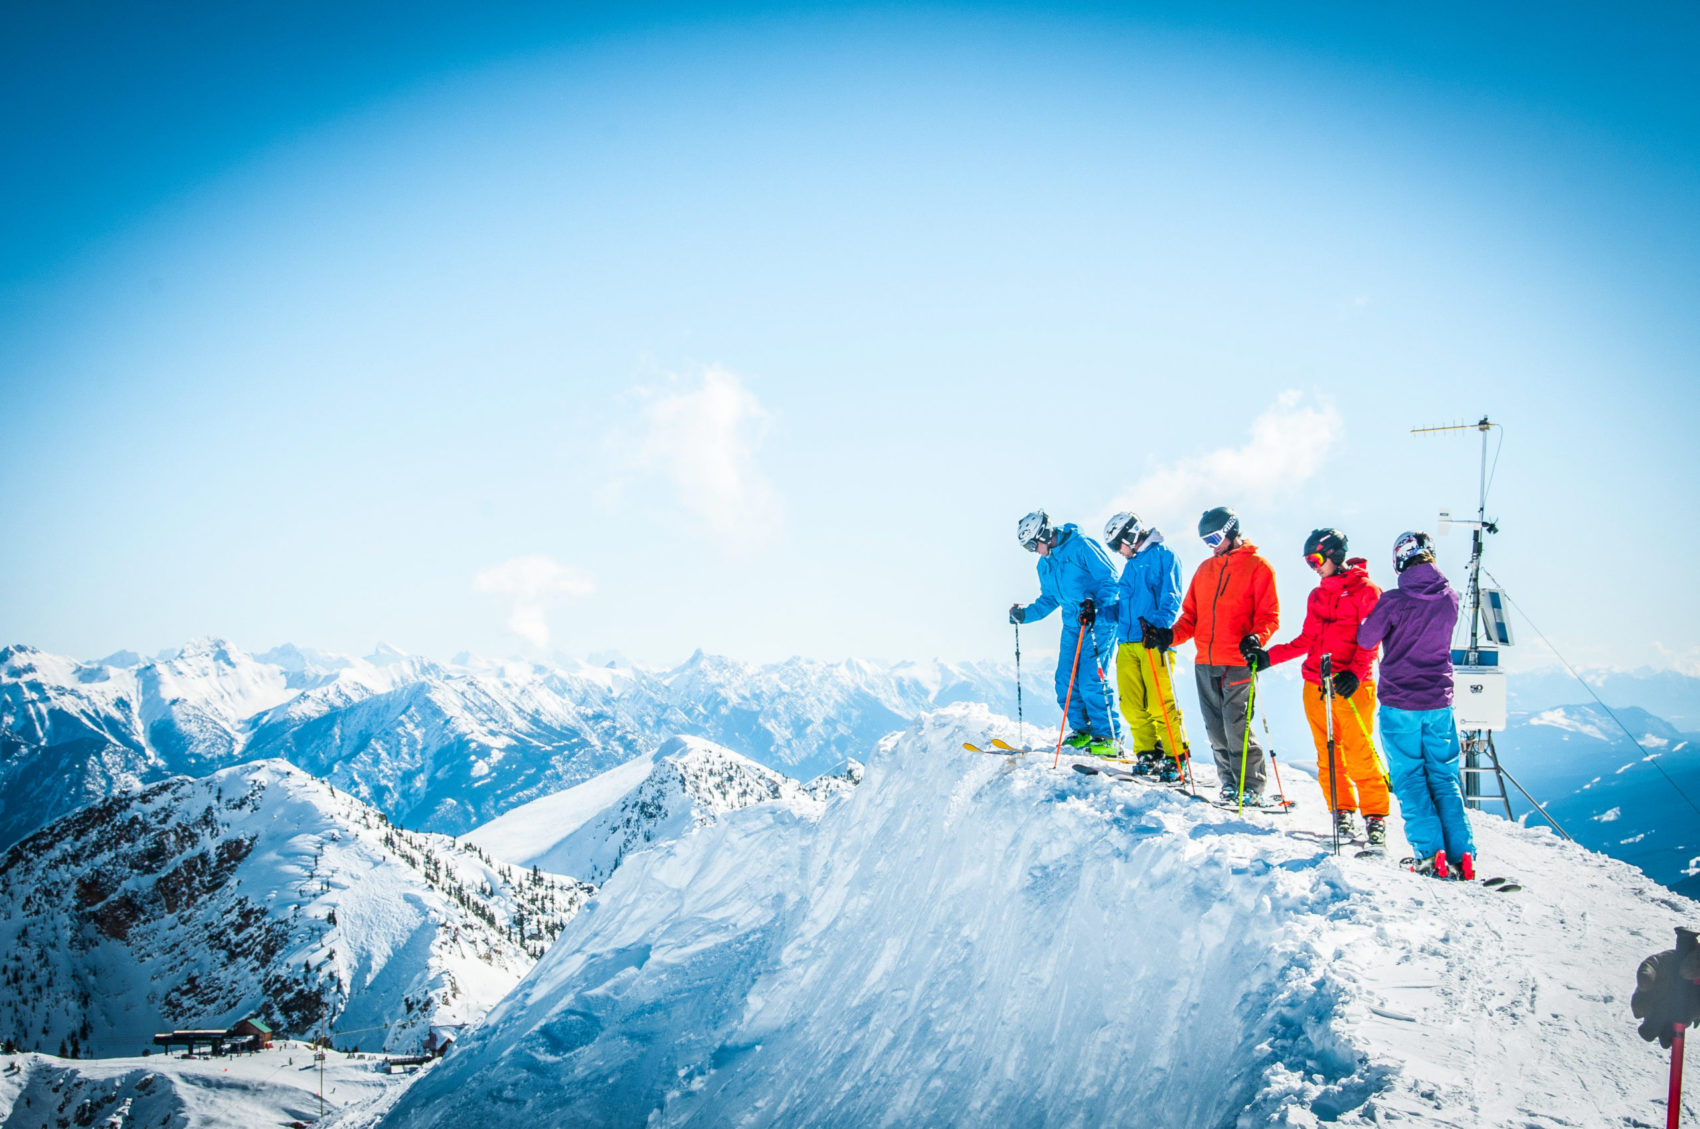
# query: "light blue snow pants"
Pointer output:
{"type": "Point", "coordinates": [1422, 762]}
{"type": "Point", "coordinates": [1089, 708]}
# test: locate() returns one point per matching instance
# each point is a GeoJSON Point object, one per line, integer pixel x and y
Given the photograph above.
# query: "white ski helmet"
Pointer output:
{"type": "Point", "coordinates": [1123, 527]}
{"type": "Point", "coordinates": [1408, 548]}
{"type": "Point", "coordinates": [1034, 528]}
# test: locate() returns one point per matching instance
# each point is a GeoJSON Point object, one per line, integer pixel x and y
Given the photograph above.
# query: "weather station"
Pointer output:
{"type": "Point", "coordinates": [1479, 694]}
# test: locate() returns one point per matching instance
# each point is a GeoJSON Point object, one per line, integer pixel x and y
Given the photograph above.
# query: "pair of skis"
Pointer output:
{"type": "Point", "coordinates": [1000, 749]}
{"type": "Point", "coordinates": [1115, 772]}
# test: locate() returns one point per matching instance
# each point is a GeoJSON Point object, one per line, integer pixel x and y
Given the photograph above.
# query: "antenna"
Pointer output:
{"type": "Point", "coordinates": [1477, 528]}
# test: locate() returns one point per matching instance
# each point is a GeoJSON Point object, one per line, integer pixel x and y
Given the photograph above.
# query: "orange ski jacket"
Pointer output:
{"type": "Point", "coordinates": [1231, 596]}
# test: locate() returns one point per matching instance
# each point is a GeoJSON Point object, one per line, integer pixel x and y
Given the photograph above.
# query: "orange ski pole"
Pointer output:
{"type": "Point", "coordinates": [1068, 697]}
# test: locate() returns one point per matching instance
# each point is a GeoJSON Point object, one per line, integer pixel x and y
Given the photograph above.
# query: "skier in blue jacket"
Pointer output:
{"type": "Point", "coordinates": [1148, 597]}
{"type": "Point", "coordinates": [1075, 574]}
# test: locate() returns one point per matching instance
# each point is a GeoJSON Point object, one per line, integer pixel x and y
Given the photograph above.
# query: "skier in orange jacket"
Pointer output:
{"type": "Point", "coordinates": [1230, 611]}
{"type": "Point", "coordinates": [1342, 599]}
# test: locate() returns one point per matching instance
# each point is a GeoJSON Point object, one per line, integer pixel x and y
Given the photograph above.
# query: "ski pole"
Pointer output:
{"type": "Point", "coordinates": [1067, 698]}
{"type": "Point", "coordinates": [1673, 1112]}
{"type": "Point", "coordinates": [1168, 722]}
{"type": "Point", "coordinates": [1274, 764]}
{"type": "Point", "coordinates": [1019, 719]}
{"type": "Point", "coordinates": [1109, 701]}
{"type": "Point", "coordinates": [1370, 741]}
{"type": "Point", "coordinates": [1245, 746]}
{"type": "Point", "coordinates": [1685, 944]}
{"type": "Point", "coordinates": [1327, 689]}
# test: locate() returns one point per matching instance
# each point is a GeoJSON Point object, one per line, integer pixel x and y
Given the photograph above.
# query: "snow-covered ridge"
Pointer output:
{"type": "Point", "coordinates": [686, 784]}
{"type": "Point", "coordinates": [440, 747]}
{"type": "Point", "coordinates": [968, 941]}
{"type": "Point", "coordinates": [258, 891]}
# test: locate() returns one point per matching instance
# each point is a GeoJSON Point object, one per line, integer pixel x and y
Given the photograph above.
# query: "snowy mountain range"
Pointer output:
{"type": "Point", "coordinates": [262, 891]}
{"type": "Point", "coordinates": [437, 747]}
{"type": "Point", "coordinates": [258, 891]}
{"type": "Point", "coordinates": [975, 940]}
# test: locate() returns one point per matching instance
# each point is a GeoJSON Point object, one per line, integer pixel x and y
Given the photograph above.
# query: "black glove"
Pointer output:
{"type": "Point", "coordinates": [1665, 990]}
{"type": "Point", "coordinates": [1017, 614]}
{"type": "Point", "coordinates": [1253, 653]}
{"type": "Point", "coordinates": [1088, 612]}
{"type": "Point", "coordinates": [1162, 638]}
{"type": "Point", "coordinates": [1345, 684]}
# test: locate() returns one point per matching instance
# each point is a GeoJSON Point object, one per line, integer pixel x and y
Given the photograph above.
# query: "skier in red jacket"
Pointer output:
{"type": "Point", "coordinates": [1342, 599]}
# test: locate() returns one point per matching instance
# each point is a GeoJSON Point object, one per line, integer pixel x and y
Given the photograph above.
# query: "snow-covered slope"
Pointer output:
{"type": "Point", "coordinates": [258, 891]}
{"type": "Point", "coordinates": [279, 1087]}
{"type": "Point", "coordinates": [967, 941]}
{"type": "Point", "coordinates": [443, 748]}
{"type": "Point", "coordinates": [687, 783]}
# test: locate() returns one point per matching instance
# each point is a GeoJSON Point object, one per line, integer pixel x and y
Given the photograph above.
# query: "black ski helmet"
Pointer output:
{"type": "Point", "coordinates": [1330, 544]}
{"type": "Point", "coordinates": [1220, 520]}
{"type": "Point", "coordinates": [1409, 548]}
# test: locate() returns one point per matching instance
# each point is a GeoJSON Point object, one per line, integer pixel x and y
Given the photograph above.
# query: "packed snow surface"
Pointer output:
{"type": "Point", "coordinates": [968, 940]}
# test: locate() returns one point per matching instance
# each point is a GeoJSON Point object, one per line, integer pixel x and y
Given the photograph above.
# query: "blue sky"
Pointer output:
{"type": "Point", "coordinates": [757, 329]}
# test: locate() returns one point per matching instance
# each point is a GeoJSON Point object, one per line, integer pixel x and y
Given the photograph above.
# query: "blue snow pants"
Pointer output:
{"type": "Point", "coordinates": [1089, 709]}
{"type": "Point", "coordinates": [1422, 761]}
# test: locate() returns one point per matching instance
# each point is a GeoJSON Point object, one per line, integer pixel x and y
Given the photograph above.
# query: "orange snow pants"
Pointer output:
{"type": "Point", "coordinates": [1362, 785]}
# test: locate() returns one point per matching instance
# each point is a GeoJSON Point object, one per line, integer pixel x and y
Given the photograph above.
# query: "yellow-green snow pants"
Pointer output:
{"type": "Point", "coordinates": [1147, 688]}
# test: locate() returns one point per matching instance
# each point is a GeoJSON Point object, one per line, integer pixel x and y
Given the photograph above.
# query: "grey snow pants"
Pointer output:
{"type": "Point", "coordinates": [1223, 694]}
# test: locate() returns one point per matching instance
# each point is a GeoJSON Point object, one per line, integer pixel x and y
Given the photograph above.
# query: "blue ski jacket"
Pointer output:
{"type": "Point", "coordinates": [1077, 567]}
{"type": "Point", "coordinates": [1150, 589]}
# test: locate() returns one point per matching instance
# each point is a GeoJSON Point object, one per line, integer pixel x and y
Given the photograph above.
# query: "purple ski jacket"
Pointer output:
{"type": "Point", "coordinates": [1414, 623]}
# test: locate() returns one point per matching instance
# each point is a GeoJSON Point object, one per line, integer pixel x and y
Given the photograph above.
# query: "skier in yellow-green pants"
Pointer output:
{"type": "Point", "coordinates": [1148, 597]}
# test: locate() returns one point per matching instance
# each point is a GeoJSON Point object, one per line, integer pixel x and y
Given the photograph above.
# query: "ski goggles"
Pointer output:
{"type": "Point", "coordinates": [1315, 560]}
{"type": "Point", "coordinates": [1214, 540]}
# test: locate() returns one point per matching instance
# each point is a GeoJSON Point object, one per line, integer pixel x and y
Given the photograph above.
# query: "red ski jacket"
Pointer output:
{"type": "Point", "coordinates": [1230, 597]}
{"type": "Point", "coordinates": [1337, 606]}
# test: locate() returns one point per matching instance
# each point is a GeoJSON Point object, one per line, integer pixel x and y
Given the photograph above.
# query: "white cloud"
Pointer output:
{"type": "Point", "coordinates": [1289, 443]}
{"type": "Point", "coordinates": [533, 584]}
{"type": "Point", "coordinates": [704, 439]}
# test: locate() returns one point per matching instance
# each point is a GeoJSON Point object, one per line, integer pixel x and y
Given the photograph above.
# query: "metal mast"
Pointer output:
{"type": "Point", "coordinates": [1477, 741]}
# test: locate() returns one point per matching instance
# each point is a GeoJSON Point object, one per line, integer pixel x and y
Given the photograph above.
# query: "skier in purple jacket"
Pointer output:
{"type": "Point", "coordinates": [1414, 624]}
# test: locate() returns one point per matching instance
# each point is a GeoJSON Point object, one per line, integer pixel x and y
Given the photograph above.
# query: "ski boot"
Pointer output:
{"type": "Point", "coordinates": [1375, 831]}
{"type": "Point", "coordinates": [1079, 739]}
{"type": "Point", "coordinates": [1147, 764]}
{"type": "Point", "coordinates": [1346, 824]}
{"type": "Point", "coordinates": [1228, 796]}
{"type": "Point", "coordinates": [1432, 867]}
{"type": "Point", "coordinates": [1100, 747]}
{"type": "Point", "coordinates": [1466, 867]}
{"type": "Point", "coordinates": [1169, 772]}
